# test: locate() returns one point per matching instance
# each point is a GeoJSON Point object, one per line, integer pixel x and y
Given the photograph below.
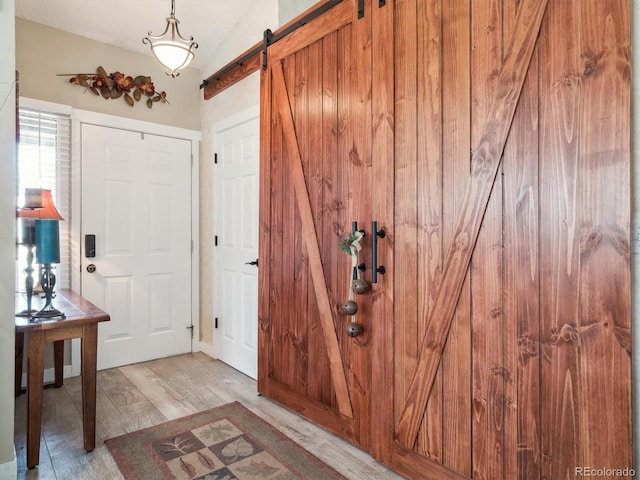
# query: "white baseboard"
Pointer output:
{"type": "Point", "coordinates": [208, 349]}
{"type": "Point", "coordinates": [9, 470]}
{"type": "Point", "coordinates": [50, 375]}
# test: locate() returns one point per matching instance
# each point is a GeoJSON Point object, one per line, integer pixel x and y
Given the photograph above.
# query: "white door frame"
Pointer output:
{"type": "Point", "coordinates": [78, 117]}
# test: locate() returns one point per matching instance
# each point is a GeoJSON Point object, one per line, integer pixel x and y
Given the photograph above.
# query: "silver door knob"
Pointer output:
{"type": "Point", "coordinates": [91, 268]}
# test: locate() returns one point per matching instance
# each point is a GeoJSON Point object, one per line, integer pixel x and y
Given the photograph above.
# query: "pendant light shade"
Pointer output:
{"type": "Point", "coordinates": [170, 48]}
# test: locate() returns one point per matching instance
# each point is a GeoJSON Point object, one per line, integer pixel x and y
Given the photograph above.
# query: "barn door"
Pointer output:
{"type": "Point", "coordinates": [315, 181]}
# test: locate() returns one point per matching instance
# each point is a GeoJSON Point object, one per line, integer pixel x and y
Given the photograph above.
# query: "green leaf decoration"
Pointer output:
{"type": "Point", "coordinates": [128, 99]}
{"type": "Point", "coordinates": [101, 72]}
{"type": "Point", "coordinates": [115, 93]}
{"type": "Point", "coordinates": [137, 94]}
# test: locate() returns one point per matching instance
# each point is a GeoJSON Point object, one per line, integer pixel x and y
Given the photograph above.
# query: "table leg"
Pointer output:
{"type": "Point", "coordinates": [58, 362]}
{"type": "Point", "coordinates": [89, 351]}
{"type": "Point", "coordinates": [19, 355]}
{"type": "Point", "coordinates": [35, 371]}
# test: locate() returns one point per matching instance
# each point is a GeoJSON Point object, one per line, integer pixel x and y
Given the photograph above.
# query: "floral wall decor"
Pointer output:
{"type": "Point", "coordinates": [117, 84]}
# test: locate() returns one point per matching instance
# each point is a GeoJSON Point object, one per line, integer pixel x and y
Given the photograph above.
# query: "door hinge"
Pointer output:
{"type": "Point", "coordinates": [192, 246]}
{"type": "Point", "coordinates": [192, 160]}
{"type": "Point", "coordinates": [190, 327]}
{"type": "Point", "coordinates": [215, 322]}
{"type": "Point", "coordinates": [215, 158]}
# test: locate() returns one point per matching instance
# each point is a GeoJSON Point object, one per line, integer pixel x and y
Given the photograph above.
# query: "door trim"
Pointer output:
{"type": "Point", "coordinates": [78, 117]}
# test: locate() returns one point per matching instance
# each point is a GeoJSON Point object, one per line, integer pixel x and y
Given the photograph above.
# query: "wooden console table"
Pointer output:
{"type": "Point", "coordinates": [81, 321]}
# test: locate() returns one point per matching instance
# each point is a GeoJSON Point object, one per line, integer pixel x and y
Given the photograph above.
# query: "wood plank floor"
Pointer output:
{"type": "Point", "coordinates": [137, 396]}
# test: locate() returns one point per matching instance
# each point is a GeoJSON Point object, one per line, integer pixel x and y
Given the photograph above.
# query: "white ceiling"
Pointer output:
{"type": "Point", "coordinates": [124, 23]}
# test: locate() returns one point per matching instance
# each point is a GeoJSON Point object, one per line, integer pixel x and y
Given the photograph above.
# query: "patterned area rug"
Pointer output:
{"type": "Point", "coordinates": [224, 443]}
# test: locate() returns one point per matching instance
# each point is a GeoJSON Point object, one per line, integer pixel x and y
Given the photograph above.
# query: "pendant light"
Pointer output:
{"type": "Point", "coordinates": [171, 49]}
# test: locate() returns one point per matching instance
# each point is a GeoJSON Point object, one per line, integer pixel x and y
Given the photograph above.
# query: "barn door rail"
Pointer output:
{"type": "Point", "coordinates": [269, 38]}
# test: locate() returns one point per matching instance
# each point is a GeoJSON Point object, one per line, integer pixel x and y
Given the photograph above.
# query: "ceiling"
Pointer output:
{"type": "Point", "coordinates": [124, 23]}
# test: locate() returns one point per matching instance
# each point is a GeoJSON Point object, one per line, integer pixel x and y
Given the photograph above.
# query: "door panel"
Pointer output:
{"type": "Point", "coordinates": [136, 200]}
{"type": "Point", "coordinates": [235, 224]}
{"type": "Point", "coordinates": [318, 183]}
{"type": "Point", "coordinates": [489, 343]}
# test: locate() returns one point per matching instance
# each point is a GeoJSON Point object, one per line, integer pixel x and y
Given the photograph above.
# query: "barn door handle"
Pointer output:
{"type": "Point", "coordinates": [375, 269]}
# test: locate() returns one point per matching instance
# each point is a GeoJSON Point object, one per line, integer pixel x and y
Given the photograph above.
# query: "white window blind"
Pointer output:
{"type": "Point", "coordinates": [44, 161]}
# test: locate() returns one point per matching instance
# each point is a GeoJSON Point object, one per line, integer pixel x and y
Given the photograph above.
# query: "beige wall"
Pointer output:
{"type": "Point", "coordinates": [7, 235]}
{"type": "Point", "coordinates": [43, 52]}
{"type": "Point", "coordinates": [235, 99]}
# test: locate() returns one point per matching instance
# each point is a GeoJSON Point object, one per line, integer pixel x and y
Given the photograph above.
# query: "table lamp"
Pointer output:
{"type": "Point", "coordinates": [40, 227]}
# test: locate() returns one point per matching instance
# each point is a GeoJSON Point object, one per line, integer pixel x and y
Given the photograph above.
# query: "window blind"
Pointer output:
{"type": "Point", "coordinates": [44, 161]}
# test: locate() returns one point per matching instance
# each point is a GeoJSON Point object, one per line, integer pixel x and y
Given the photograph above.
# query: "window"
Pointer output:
{"type": "Point", "coordinates": [44, 161]}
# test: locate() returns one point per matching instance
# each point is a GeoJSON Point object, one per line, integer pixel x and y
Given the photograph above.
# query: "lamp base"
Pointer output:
{"type": "Point", "coordinates": [49, 312]}
{"type": "Point", "coordinates": [28, 281]}
{"type": "Point", "coordinates": [48, 281]}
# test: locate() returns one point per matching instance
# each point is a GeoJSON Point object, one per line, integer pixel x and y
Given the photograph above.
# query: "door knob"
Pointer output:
{"type": "Point", "coordinates": [255, 262]}
{"type": "Point", "coordinates": [91, 268]}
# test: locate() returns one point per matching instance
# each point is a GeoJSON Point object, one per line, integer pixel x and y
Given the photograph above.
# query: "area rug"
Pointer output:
{"type": "Point", "coordinates": [224, 443]}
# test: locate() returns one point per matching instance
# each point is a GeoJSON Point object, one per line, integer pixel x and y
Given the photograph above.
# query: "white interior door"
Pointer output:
{"type": "Point", "coordinates": [136, 200]}
{"type": "Point", "coordinates": [235, 335]}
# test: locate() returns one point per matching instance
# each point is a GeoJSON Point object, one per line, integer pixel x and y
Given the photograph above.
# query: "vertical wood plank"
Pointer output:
{"type": "Point", "coordinates": [360, 199]}
{"type": "Point", "coordinates": [300, 332]}
{"type": "Point", "coordinates": [383, 164]}
{"type": "Point", "coordinates": [264, 246]}
{"type": "Point", "coordinates": [331, 205]}
{"type": "Point", "coordinates": [560, 93]}
{"type": "Point", "coordinates": [277, 194]}
{"type": "Point", "coordinates": [289, 335]}
{"type": "Point", "coordinates": [603, 191]}
{"type": "Point", "coordinates": [522, 279]}
{"type": "Point", "coordinates": [317, 360]}
{"type": "Point", "coordinates": [488, 372]}
{"type": "Point", "coordinates": [429, 198]}
{"type": "Point", "coordinates": [456, 145]}
{"type": "Point", "coordinates": [405, 213]}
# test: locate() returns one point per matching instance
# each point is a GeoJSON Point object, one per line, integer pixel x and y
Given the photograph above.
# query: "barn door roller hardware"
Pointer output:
{"type": "Point", "coordinates": [269, 38]}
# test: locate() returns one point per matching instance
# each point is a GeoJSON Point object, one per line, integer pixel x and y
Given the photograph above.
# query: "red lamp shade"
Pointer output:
{"type": "Point", "coordinates": [46, 211]}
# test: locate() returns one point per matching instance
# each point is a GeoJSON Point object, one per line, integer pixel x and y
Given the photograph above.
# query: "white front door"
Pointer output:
{"type": "Point", "coordinates": [235, 283]}
{"type": "Point", "coordinates": [136, 200]}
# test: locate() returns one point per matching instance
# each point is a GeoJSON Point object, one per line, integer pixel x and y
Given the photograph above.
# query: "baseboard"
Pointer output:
{"type": "Point", "coordinates": [208, 349]}
{"type": "Point", "coordinates": [9, 470]}
{"type": "Point", "coordinates": [50, 375]}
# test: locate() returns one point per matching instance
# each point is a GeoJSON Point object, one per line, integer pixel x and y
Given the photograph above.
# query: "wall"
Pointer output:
{"type": "Point", "coordinates": [7, 235]}
{"type": "Point", "coordinates": [245, 94]}
{"type": "Point", "coordinates": [43, 52]}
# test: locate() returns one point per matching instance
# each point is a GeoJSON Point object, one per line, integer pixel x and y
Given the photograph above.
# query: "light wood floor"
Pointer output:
{"type": "Point", "coordinates": [137, 396]}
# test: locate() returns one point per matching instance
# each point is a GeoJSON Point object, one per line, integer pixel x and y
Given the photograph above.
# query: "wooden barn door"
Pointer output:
{"type": "Point", "coordinates": [316, 176]}
{"type": "Point", "coordinates": [511, 297]}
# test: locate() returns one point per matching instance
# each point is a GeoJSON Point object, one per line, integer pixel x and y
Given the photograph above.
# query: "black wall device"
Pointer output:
{"type": "Point", "coordinates": [89, 246]}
